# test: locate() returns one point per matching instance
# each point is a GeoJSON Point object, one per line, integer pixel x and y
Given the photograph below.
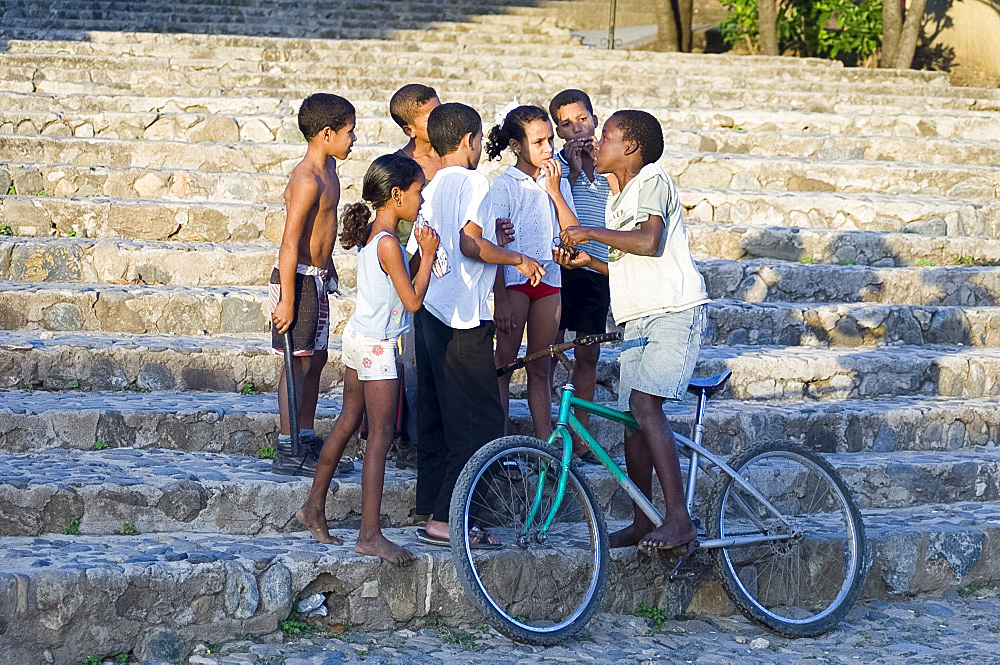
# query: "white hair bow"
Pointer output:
{"type": "Point", "coordinates": [502, 114]}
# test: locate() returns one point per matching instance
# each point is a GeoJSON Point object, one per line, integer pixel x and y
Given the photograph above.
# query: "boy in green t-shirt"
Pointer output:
{"type": "Point", "coordinates": [663, 324]}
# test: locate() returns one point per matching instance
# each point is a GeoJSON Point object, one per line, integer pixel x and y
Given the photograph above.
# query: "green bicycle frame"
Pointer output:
{"type": "Point", "coordinates": [698, 455]}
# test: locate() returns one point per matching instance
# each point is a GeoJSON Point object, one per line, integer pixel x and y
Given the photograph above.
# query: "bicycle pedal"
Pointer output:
{"type": "Point", "coordinates": [677, 573]}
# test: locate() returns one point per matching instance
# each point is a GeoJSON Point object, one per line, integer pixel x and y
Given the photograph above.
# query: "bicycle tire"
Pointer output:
{"type": "Point", "coordinates": [529, 591]}
{"type": "Point", "coordinates": [801, 587]}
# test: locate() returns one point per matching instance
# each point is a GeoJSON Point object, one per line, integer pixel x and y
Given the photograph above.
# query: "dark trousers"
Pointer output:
{"type": "Point", "coordinates": [458, 402]}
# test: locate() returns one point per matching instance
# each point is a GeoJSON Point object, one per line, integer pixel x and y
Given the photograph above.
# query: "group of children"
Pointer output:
{"type": "Point", "coordinates": [556, 239]}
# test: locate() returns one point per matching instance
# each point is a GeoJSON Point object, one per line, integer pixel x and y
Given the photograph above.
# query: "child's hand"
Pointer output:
{"type": "Point", "coordinates": [531, 269]}
{"type": "Point", "coordinates": [570, 258]}
{"type": "Point", "coordinates": [502, 313]}
{"type": "Point", "coordinates": [553, 173]}
{"type": "Point", "coordinates": [505, 231]}
{"type": "Point", "coordinates": [574, 235]}
{"type": "Point", "coordinates": [574, 153]}
{"type": "Point", "coordinates": [283, 316]}
{"type": "Point", "coordinates": [427, 239]}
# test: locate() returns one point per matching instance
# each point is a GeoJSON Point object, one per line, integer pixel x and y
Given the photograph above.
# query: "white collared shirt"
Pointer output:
{"type": "Point", "coordinates": [523, 199]}
{"type": "Point", "coordinates": [454, 197]}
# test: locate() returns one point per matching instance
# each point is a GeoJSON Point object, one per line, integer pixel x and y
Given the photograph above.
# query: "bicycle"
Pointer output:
{"type": "Point", "coordinates": [786, 534]}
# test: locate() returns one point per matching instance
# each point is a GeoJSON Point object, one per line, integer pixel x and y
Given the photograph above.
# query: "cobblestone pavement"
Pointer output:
{"type": "Point", "coordinates": [959, 628]}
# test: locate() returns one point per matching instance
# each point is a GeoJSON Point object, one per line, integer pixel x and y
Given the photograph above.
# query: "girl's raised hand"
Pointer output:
{"type": "Point", "coordinates": [553, 173]}
{"type": "Point", "coordinates": [427, 239]}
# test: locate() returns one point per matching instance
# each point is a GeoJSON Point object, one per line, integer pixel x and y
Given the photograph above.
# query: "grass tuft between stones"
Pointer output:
{"type": "Point", "coordinates": [654, 614]}
{"type": "Point", "coordinates": [128, 529]}
{"type": "Point", "coordinates": [74, 527]}
{"type": "Point", "coordinates": [266, 452]}
{"type": "Point", "coordinates": [100, 445]}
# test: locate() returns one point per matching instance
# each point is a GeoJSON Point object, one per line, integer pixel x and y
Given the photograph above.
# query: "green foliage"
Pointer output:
{"type": "Point", "coordinates": [848, 262]}
{"type": "Point", "coordinates": [91, 659]}
{"type": "Point", "coordinates": [826, 28]}
{"type": "Point", "coordinates": [807, 260]}
{"type": "Point", "coordinates": [74, 527]}
{"type": "Point", "coordinates": [43, 193]}
{"type": "Point", "coordinates": [74, 384]}
{"type": "Point", "coordinates": [11, 190]}
{"type": "Point", "coordinates": [5, 230]}
{"type": "Point", "coordinates": [925, 262]}
{"type": "Point", "coordinates": [71, 233]}
{"type": "Point", "coordinates": [128, 529]}
{"type": "Point", "coordinates": [249, 389]}
{"type": "Point", "coordinates": [121, 658]}
{"type": "Point", "coordinates": [266, 452]}
{"type": "Point", "coordinates": [296, 625]}
{"type": "Point", "coordinates": [654, 614]}
{"type": "Point", "coordinates": [100, 445]}
{"type": "Point", "coordinates": [965, 261]}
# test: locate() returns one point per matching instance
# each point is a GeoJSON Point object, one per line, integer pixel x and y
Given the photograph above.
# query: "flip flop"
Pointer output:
{"type": "Point", "coordinates": [428, 539]}
{"type": "Point", "coordinates": [480, 539]}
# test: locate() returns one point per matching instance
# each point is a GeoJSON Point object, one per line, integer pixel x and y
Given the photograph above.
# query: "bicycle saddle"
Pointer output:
{"type": "Point", "coordinates": [710, 384]}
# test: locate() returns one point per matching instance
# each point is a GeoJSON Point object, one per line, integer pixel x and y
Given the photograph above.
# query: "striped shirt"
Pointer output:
{"type": "Point", "coordinates": [590, 198]}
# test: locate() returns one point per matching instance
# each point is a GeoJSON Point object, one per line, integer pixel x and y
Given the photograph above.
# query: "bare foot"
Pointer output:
{"type": "Point", "coordinates": [315, 521]}
{"type": "Point", "coordinates": [628, 536]}
{"type": "Point", "coordinates": [436, 529]}
{"type": "Point", "coordinates": [381, 547]}
{"type": "Point", "coordinates": [669, 535]}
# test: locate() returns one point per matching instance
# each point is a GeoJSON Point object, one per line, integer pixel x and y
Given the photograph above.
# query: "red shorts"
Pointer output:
{"type": "Point", "coordinates": [535, 292]}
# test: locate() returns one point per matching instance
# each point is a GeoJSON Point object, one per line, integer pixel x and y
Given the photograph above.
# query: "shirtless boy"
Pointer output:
{"type": "Point", "coordinates": [305, 273]}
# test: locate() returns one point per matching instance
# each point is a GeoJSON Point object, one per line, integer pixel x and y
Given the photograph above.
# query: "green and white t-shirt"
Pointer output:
{"type": "Point", "coordinates": [667, 281]}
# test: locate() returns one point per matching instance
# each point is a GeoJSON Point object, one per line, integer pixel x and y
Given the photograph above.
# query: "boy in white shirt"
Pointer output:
{"type": "Point", "coordinates": [458, 397]}
{"type": "Point", "coordinates": [658, 293]}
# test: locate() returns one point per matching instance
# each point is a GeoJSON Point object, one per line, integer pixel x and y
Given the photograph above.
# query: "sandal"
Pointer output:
{"type": "Point", "coordinates": [479, 539]}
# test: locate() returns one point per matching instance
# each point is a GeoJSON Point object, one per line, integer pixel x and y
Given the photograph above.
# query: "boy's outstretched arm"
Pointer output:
{"type": "Point", "coordinates": [475, 246]}
{"type": "Point", "coordinates": [300, 197]}
{"type": "Point", "coordinates": [644, 241]}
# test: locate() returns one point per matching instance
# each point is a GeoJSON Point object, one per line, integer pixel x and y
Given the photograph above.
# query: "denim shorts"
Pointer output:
{"type": "Point", "coordinates": [659, 353]}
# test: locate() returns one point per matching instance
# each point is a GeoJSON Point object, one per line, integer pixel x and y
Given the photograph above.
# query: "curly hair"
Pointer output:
{"type": "Point", "coordinates": [513, 127]}
{"type": "Point", "coordinates": [386, 173]}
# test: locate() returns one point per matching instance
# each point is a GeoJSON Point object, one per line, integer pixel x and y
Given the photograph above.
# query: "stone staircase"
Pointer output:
{"type": "Point", "coordinates": [846, 222]}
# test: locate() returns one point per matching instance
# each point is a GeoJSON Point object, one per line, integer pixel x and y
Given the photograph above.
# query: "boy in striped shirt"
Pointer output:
{"type": "Point", "coordinates": [586, 296]}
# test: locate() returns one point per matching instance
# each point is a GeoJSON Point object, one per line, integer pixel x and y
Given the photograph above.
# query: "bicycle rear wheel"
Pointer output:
{"type": "Point", "coordinates": [802, 586]}
{"type": "Point", "coordinates": [533, 589]}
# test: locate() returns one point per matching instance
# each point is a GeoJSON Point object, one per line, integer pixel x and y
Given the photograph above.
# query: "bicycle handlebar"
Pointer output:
{"type": "Point", "coordinates": [556, 350]}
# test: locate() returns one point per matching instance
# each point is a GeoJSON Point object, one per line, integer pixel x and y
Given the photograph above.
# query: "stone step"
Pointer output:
{"type": "Point", "coordinates": [184, 310]}
{"type": "Point", "coordinates": [693, 169]}
{"type": "Point", "coordinates": [843, 101]}
{"type": "Point", "coordinates": [64, 591]}
{"type": "Point", "coordinates": [29, 113]}
{"type": "Point", "coordinates": [444, 31]}
{"type": "Point", "coordinates": [954, 283]}
{"type": "Point", "coordinates": [533, 82]}
{"type": "Point", "coordinates": [739, 172]}
{"type": "Point", "coordinates": [854, 211]}
{"type": "Point", "coordinates": [121, 361]}
{"type": "Point", "coordinates": [283, 129]}
{"type": "Point", "coordinates": [342, 57]}
{"type": "Point", "coordinates": [205, 421]}
{"type": "Point", "coordinates": [170, 491]}
{"type": "Point", "coordinates": [768, 281]}
{"type": "Point", "coordinates": [908, 122]}
{"type": "Point", "coordinates": [869, 248]}
{"type": "Point", "coordinates": [232, 47]}
{"type": "Point", "coordinates": [941, 225]}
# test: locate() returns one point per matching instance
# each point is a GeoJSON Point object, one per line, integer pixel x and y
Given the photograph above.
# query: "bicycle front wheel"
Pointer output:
{"type": "Point", "coordinates": [802, 583]}
{"type": "Point", "coordinates": [538, 588]}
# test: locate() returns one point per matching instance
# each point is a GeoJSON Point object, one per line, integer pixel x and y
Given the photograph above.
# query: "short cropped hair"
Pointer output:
{"type": "Point", "coordinates": [448, 123]}
{"type": "Point", "coordinates": [324, 110]}
{"type": "Point", "coordinates": [644, 129]}
{"type": "Point", "coordinates": [566, 97]}
{"type": "Point", "coordinates": [405, 102]}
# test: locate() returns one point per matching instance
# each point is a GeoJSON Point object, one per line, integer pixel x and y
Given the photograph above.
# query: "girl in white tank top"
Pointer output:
{"type": "Point", "coordinates": [385, 298]}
